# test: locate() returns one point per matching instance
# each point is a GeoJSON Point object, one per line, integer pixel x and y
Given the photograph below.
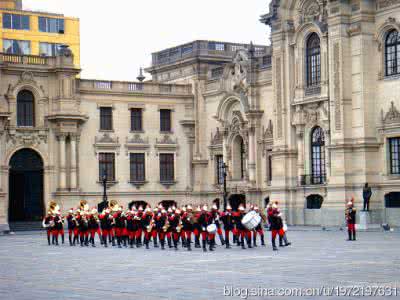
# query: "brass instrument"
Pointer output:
{"type": "Point", "coordinates": [114, 205]}
{"type": "Point", "coordinates": [150, 226]}
{"type": "Point", "coordinates": [166, 225]}
{"type": "Point", "coordinates": [179, 227]}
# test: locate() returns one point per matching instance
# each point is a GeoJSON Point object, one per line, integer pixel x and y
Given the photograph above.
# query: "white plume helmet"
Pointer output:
{"type": "Point", "coordinates": [155, 209]}
{"type": "Point", "coordinates": [173, 207]}
{"type": "Point", "coordinates": [256, 208]}
{"type": "Point", "coordinates": [94, 211]}
{"type": "Point", "coordinates": [140, 208]}
{"type": "Point", "coordinates": [71, 211]}
{"type": "Point", "coordinates": [228, 207]}
{"type": "Point", "coordinates": [241, 208]}
{"type": "Point", "coordinates": [205, 208]}
{"type": "Point", "coordinates": [170, 210]}
{"type": "Point", "coordinates": [274, 205]}
{"type": "Point", "coordinates": [177, 211]}
{"type": "Point", "coordinates": [163, 211]}
{"type": "Point", "coordinates": [189, 207]}
{"type": "Point", "coordinates": [349, 203]}
{"type": "Point", "coordinates": [198, 209]}
{"type": "Point", "coordinates": [184, 209]}
{"type": "Point", "coordinates": [215, 207]}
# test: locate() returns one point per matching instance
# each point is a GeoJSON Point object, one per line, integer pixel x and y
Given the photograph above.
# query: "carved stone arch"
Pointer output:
{"type": "Point", "coordinates": [26, 82]}
{"type": "Point", "coordinates": [225, 107]}
{"type": "Point", "coordinates": [384, 29]}
{"type": "Point", "coordinates": [304, 31]}
{"type": "Point", "coordinates": [42, 154]}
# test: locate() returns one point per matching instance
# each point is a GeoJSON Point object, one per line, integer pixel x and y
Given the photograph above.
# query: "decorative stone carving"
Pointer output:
{"type": "Point", "coordinates": [392, 116]}
{"type": "Point", "coordinates": [313, 11]}
{"type": "Point", "coordinates": [136, 139]}
{"type": "Point", "coordinates": [217, 139]}
{"type": "Point", "coordinates": [278, 85]}
{"type": "Point", "coordinates": [106, 142]}
{"type": "Point", "coordinates": [336, 81]}
{"type": "Point", "coordinates": [27, 138]}
{"type": "Point", "coordinates": [166, 140]}
{"type": "Point", "coordinates": [269, 132]}
{"type": "Point", "coordinates": [387, 3]}
{"type": "Point", "coordinates": [239, 71]}
{"type": "Point", "coordinates": [106, 139]}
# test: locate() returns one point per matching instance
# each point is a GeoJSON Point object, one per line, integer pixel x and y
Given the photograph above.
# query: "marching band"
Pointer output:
{"type": "Point", "coordinates": [165, 228]}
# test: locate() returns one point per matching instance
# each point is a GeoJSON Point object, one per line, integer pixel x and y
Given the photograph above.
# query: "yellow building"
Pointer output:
{"type": "Point", "coordinates": [36, 33]}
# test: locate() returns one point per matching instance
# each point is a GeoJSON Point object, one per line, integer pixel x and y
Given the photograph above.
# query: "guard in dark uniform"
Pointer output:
{"type": "Point", "coordinates": [188, 221]}
{"type": "Point", "coordinates": [227, 220]}
{"type": "Point", "coordinates": [161, 226]}
{"type": "Point", "coordinates": [216, 215]}
{"type": "Point", "coordinates": [176, 227]}
{"type": "Point", "coordinates": [259, 230]}
{"type": "Point", "coordinates": [106, 221]}
{"type": "Point", "coordinates": [48, 223]}
{"type": "Point", "coordinates": [204, 220]}
{"type": "Point", "coordinates": [72, 228]}
{"type": "Point", "coordinates": [147, 226]}
{"type": "Point", "coordinates": [243, 232]}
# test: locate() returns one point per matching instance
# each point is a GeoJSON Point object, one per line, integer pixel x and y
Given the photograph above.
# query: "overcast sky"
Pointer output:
{"type": "Point", "coordinates": [118, 36]}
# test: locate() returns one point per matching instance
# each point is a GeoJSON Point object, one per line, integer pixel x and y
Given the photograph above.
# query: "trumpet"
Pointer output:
{"type": "Point", "coordinates": [179, 227]}
{"type": "Point", "coordinates": [150, 226]}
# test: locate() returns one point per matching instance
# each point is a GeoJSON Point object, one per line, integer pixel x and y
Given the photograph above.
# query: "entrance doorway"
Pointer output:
{"type": "Point", "coordinates": [236, 200]}
{"type": "Point", "coordinates": [26, 202]}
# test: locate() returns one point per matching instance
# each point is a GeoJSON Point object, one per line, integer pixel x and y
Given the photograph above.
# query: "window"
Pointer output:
{"type": "Point", "coordinates": [313, 61]}
{"type": "Point", "coordinates": [49, 49]}
{"type": "Point", "coordinates": [137, 166]}
{"type": "Point", "coordinates": [394, 144]}
{"type": "Point", "coordinates": [167, 167]}
{"type": "Point", "coordinates": [18, 22]}
{"type": "Point", "coordinates": [318, 156]}
{"type": "Point", "coordinates": [242, 159]}
{"type": "Point", "coordinates": [165, 120]}
{"type": "Point", "coordinates": [136, 119]}
{"type": "Point", "coordinates": [25, 109]}
{"type": "Point", "coordinates": [392, 53]}
{"type": "Point", "coordinates": [216, 46]}
{"type": "Point", "coordinates": [107, 166]}
{"type": "Point", "coordinates": [219, 162]}
{"type": "Point", "coordinates": [106, 119]}
{"type": "Point", "coordinates": [51, 25]}
{"type": "Point", "coordinates": [17, 47]}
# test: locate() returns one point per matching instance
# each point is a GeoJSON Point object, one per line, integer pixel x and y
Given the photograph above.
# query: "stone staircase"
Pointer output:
{"type": "Point", "coordinates": [26, 226]}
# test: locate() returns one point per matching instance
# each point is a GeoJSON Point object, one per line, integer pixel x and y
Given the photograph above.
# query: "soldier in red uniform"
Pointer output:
{"type": "Point", "coordinates": [243, 232]}
{"type": "Point", "coordinates": [72, 228]}
{"type": "Point", "coordinates": [160, 226]}
{"type": "Point", "coordinates": [154, 232]}
{"type": "Point", "coordinates": [204, 220]}
{"type": "Point", "coordinates": [93, 224]}
{"type": "Point", "coordinates": [169, 231]}
{"type": "Point", "coordinates": [187, 222]}
{"type": "Point", "coordinates": [227, 220]}
{"type": "Point", "coordinates": [147, 226]}
{"type": "Point", "coordinates": [119, 221]}
{"type": "Point", "coordinates": [197, 227]}
{"type": "Point", "coordinates": [48, 223]}
{"type": "Point", "coordinates": [130, 227]}
{"type": "Point", "coordinates": [106, 221]}
{"type": "Point", "coordinates": [351, 220]}
{"type": "Point", "coordinates": [259, 230]}
{"type": "Point", "coordinates": [216, 216]}
{"type": "Point", "coordinates": [176, 227]}
{"type": "Point", "coordinates": [276, 224]}
{"type": "Point", "coordinates": [81, 218]}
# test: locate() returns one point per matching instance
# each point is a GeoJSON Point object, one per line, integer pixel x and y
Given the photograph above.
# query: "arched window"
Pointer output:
{"type": "Point", "coordinates": [318, 174]}
{"type": "Point", "coordinates": [392, 53]}
{"type": "Point", "coordinates": [25, 109]}
{"type": "Point", "coordinates": [313, 61]}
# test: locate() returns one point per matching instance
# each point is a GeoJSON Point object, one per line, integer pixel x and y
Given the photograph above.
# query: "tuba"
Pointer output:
{"type": "Point", "coordinates": [166, 225]}
{"type": "Point", "coordinates": [150, 226]}
{"type": "Point", "coordinates": [114, 205]}
{"type": "Point", "coordinates": [179, 227]}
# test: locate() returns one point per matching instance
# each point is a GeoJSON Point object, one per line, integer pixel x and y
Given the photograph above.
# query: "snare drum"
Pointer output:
{"type": "Point", "coordinates": [212, 228]}
{"type": "Point", "coordinates": [251, 220]}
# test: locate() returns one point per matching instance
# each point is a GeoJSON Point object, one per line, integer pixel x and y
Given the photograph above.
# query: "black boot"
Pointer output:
{"type": "Point", "coordinates": [147, 243]}
{"type": "Point", "coordinates": [255, 240]}
{"type": "Point", "coordinates": [281, 242]}
{"type": "Point", "coordinates": [113, 241]}
{"type": "Point", "coordinates": [188, 244]}
{"type": "Point", "coordinates": [227, 241]}
{"type": "Point", "coordinates": [125, 240]}
{"type": "Point", "coordinates": [221, 238]}
{"type": "Point", "coordinates": [48, 240]}
{"type": "Point", "coordinates": [70, 240]}
{"type": "Point", "coordinates": [53, 239]}
{"type": "Point", "coordinates": [349, 232]}
{"type": "Point", "coordinates": [274, 245]}
{"type": "Point", "coordinates": [249, 243]}
{"type": "Point", "coordinates": [169, 243]}
{"type": "Point", "coordinates": [105, 242]}
{"type": "Point", "coordinates": [175, 245]}
{"type": "Point", "coordinates": [119, 242]}
{"type": "Point", "coordinates": [137, 243]}
{"type": "Point", "coordinates": [204, 244]}
{"type": "Point", "coordinates": [82, 240]}
{"type": "Point", "coordinates": [162, 242]}
{"type": "Point", "coordinates": [234, 239]}
{"type": "Point", "coordinates": [93, 243]}
{"type": "Point", "coordinates": [242, 243]}
{"type": "Point", "coordinates": [86, 241]}
{"type": "Point", "coordinates": [239, 243]}
{"type": "Point", "coordinates": [287, 243]}
{"type": "Point", "coordinates": [197, 242]}
{"type": "Point", "coordinates": [56, 240]}
{"type": "Point", "coordinates": [131, 242]}
{"type": "Point", "coordinates": [211, 247]}
{"type": "Point", "coordinates": [155, 242]}
{"type": "Point", "coordinates": [262, 240]}
{"type": "Point", "coordinates": [62, 239]}
{"type": "Point", "coordinates": [354, 235]}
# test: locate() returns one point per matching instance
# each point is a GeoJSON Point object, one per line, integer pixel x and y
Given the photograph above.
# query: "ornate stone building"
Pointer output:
{"type": "Point", "coordinates": [306, 121]}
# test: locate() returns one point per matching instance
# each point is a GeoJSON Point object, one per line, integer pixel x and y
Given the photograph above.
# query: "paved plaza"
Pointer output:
{"type": "Point", "coordinates": [29, 269]}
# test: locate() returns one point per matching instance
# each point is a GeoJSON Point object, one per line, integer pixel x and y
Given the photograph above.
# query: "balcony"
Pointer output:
{"type": "Point", "coordinates": [104, 86]}
{"type": "Point", "coordinates": [315, 179]}
{"type": "Point", "coordinates": [24, 59]}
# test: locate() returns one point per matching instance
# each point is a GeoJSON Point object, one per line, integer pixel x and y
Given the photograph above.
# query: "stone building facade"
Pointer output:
{"type": "Point", "coordinates": [306, 121]}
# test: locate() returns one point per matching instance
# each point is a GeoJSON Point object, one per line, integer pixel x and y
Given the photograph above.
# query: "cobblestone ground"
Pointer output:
{"type": "Point", "coordinates": [29, 269]}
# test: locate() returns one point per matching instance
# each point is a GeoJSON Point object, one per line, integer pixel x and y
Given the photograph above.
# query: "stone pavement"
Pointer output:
{"type": "Point", "coordinates": [29, 269]}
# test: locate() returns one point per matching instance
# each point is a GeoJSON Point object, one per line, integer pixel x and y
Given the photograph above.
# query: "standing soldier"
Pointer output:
{"type": "Point", "coordinates": [106, 225]}
{"type": "Point", "coordinates": [216, 215]}
{"type": "Point", "coordinates": [242, 231]}
{"type": "Point", "coordinates": [204, 220]}
{"type": "Point", "coordinates": [259, 229]}
{"type": "Point", "coordinates": [94, 227]}
{"type": "Point", "coordinates": [227, 220]}
{"type": "Point", "coordinates": [119, 227]}
{"type": "Point", "coordinates": [147, 226]}
{"type": "Point", "coordinates": [351, 220]}
{"type": "Point", "coordinates": [83, 228]}
{"type": "Point", "coordinates": [196, 227]}
{"type": "Point", "coordinates": [161, 226]}
{"type": "Point", "coordinates": [188, 221]}
{"type": "Point", "coordinates": [48, 223]}
{"type": "Point", "coordinates": [169, 231]}
{"type": "Point", "coordinates": [72, 233]}
{"type": "Point", "coordinates": [176, 227]}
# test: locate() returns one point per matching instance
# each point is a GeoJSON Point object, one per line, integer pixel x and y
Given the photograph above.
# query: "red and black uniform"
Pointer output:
{"type": "Point", "coordinates": [93, 228]}
{"type": "Point", "coordinates": [146, 220]}
{"type": "Point", "coordinates": [72, 229]}
{"type": "Point", "coordinates": [83, 230]}
{"type": "Point", "coordinates": [48, 223]}
{"type": "Point", "coordinates": [205, 219]}
{"type": "Point", "coordinates": [260, 231]}
{"type": "Point", "coordinates": [130, 229]}
{"type": "Point", "coordinates": [119, 228]}
{"type": "Point", "coordinates": [137, 224]}
{"type": "Point", "coordinates": [160, 221]}
{"type": "Point", "coordinates": [174, 222]}
{"type": "Point", "coordinates": [227, 220]}
{"type": "Point", "coordinates": [242, 231]}
{"type": "Point", "coordinates": [276, 225]}
{"type": "Point", "coordinates": [187, 229]}
{"type": "Point", "coordinates": [351, 221]}
{"type": "Point", "coordinates": [197, 230]}
{"type": "Point", "coordinates": [106, 227]}
{"type": "Point", "coordinates": [58, 228]}
{"type": "Point", "coordinates": [216, 215]}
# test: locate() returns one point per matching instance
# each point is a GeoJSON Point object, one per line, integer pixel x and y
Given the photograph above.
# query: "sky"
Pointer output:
{"type": "Point", "coordinates": [118, 36]}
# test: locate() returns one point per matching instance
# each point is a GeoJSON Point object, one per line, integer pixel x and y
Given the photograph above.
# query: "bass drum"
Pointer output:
{"type": "Point", "coordinates": [251, 220]}
{"type": "Point", "coordinates": [212, 228]}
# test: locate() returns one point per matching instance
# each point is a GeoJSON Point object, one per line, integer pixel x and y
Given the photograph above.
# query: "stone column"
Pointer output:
{"type": "Point", "coordinates": [62, 167]}
{"type": "Point", "coordinates": [300, 151]}
{"type": "Point", "coordinates": [74, 172]}
{"type": "Point", "coordinates": [252, 163]}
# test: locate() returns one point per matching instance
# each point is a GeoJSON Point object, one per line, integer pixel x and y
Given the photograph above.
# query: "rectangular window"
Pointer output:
{"type": "Point", "coordinates": [107, 166]}
{"type": "Point", "coordinates": [137, 166]}
{"type": "Point", "coordinates": [106, 120]}
{"type": "Point", "coordinates": [136, 119]}
{"type": "Point", "coordinates": [167, 173]}
{"type": "Point", "coordinates": [17, 22]}
{"type": "Point", "coordinates": [49, 49]}
{"type": "Point", "coordinates": [17, 47]}
{"type": "Point", "coordinates": [165, 120]}
{"type": "Point", "coordinates": [394, 144]}
{"type": "Point", "coordinates": [51, 25]}
{"type": "Point", "coordinates": [219, 162]}
{"type": "Point", "coordinates": [216, 46]}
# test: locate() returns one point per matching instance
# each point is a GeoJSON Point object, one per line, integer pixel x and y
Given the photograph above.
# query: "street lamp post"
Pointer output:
{"type": "Point", "coordinates": [224, 170]}
{"type": "Point", "coordinates": [104, 204]}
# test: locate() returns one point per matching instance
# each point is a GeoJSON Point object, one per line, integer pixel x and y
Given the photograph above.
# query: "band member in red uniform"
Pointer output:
{"type": "Point", "coordinates": [83, 228]}
{"type": "Point", "coordinates": [227, 220]}
{"type": "Point", "coordinates": [216, 215]}
{"type": "Point", "coordinates": [154, 232]}
{"type": "Point", "coordinates": [106, 226]}
{"type": "Point", "coordinates": [176, 227]}
{"type": "Point", "coordinates": [169, 231]}
{"type": "Point", "coordinates": [351, 220]}
{"type": "Point", "coordinates": [187, 222]}
{"type": "Point", "coordinates": [119, 226]}
{"type": "Point", "coordinates": [48, 223]}
{"type": "Point", "coordinates": [243, 233]}
{"type": "Point", "coordinates": [58, 227]}
{"type": "Point", "coordinates": [161, 226]}
{"type": "Point", "coordinates": [72, 228]}
{"type": "Point", "coordinates": [197, 227]}
{"type": "Point", "coordinates": [93, 224]}
{"type": "Point", "coordinates": [276, 225]}
{"type": "Point", "coordinates": [147, 226]}
{"type": "Point", "coordinates": [259, 229]}
{"type": "Point", "coordinates": [204, 220]}
{"type": "Point", "coordinates": [129, 227]}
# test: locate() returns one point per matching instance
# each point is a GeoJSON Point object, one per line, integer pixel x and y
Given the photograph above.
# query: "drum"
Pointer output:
{"type": "Point", "coordinates": [212, 228]}
{"type": "Point", "coordinates": [251, 220]}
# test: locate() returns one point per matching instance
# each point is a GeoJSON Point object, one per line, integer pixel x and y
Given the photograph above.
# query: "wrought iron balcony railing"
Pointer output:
{"type": "Point", "coordinates": [314, 179]}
